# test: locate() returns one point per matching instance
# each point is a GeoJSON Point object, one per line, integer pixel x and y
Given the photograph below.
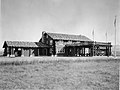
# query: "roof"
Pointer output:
{"type": "Point", "coordinates": [103, 43]}
{"type": "Point", "coordinates": [40, 44]}
{"type": "Point", "coordinates": [80, 44]}
{"type": "Point", "coordinates": [24, 44]}
{"type": "Point", "coordinates": [89, 44]}
{"type": "Point", "coordinates": [58, 36]}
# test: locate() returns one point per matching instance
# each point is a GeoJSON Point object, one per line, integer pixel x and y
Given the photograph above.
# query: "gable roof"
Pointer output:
{"type": "Point", "coordinates": [24, 44]}
{"type": "Point", "coordinates": [58, 36]}
{"type": "Point", "coordinates": [40, 44]}
{"type": "Point", "coordinates": [20, 44]}
{"type": "Point", "coordinates": [80, 44]}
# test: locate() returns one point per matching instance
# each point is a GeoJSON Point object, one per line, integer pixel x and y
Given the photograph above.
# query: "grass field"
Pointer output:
{"type": "Point", "coordinates": [49, 73]}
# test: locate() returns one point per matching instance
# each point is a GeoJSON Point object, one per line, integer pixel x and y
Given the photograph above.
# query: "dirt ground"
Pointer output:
{"type": "Point", "coordinates": [61, 75]}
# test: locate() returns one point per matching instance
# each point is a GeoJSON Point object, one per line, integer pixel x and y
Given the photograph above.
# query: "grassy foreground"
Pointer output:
{"type": "Point", "coordinates": [59, 74]}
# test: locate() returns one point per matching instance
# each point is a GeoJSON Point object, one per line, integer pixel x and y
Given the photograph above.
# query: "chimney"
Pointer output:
{"type": "Point", "coordinates": [43, 37]}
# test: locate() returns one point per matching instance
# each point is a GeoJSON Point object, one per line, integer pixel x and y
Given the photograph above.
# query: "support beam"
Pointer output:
{"type": "Point", "coordinates": [106, 51]}
{"type": "Point", "coordinates": [74, 51]}
{"type": "Point", "coordinates": [89, 50]}
{"type": "Point", "coordinates": [22, 52]}
{"type": "Point", "coordinates": [79, 51]}
{"type": "Point", "coordinates": [30, 52]}
{"type": "Point", "coordinates": [46, 51]}
{"type": "Point", "coordinates": [12, 52]}
{"type": "Point", "coordinates": [67, 50]}
{"type": "Point", "coordinates": [84, 51]}
{"type": "Point", "coordinates": [38, 52]}
{"type": "Point", "coordinates": [110, 50]}
{"type": "Point", "coordinates": [93, 49]}
{"type": "Point", "coordinates": [8, 51]}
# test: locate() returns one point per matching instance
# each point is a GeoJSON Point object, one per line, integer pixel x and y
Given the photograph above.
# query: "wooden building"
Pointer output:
{"type": "Point", "coordinates": [20, 48]}
{"type": "Point", "coordinates": [74, 45]}
{"type": "Point", "coordinates": [58, 45]}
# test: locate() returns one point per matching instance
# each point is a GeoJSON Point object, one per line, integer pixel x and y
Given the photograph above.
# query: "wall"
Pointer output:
{"type": "Point", "coordinates": [60, 46]}
{"type": "Point", "coordinates": [46, 39]}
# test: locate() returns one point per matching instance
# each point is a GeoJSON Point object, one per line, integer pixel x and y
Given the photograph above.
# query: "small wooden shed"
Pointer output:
{"type": "Point", "coordinates": [21, 48]}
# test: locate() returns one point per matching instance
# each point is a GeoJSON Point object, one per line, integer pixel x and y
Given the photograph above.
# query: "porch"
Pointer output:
{"type": "Point", "coordinates": [17, 48]}
{"type": "Point", "coordinates": [88, 49]}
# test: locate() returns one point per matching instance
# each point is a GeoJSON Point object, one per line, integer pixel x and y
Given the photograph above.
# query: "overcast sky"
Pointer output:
{"type": "Point", "coordinates": [26, 19]}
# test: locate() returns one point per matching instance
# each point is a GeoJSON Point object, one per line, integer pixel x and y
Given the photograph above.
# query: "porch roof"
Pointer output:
{"type": "Point", "coordinates": [89, 44]}
{"type": "Point", "coordinates": [80, 44]}
{"type": "Point", "coordinates": [40, 44]}
{"type": "Point", "coordinates": [24, 44]}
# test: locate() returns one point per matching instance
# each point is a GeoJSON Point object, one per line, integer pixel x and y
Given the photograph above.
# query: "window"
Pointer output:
{"type": "Point", "coordinates": [51, 50]}
{"type": "Point", "coordinates": [69, 42]}
{"type": "Point", "coordinates": [46, 36]}
{"type": "Point", "coordinates": [19, 48]}
{"type": "Point", "coordinates": [46, 42]}
{"type": "Point", "coordinates": [62, 50]}
{"type": "Point", "coordinates": [51, 42]}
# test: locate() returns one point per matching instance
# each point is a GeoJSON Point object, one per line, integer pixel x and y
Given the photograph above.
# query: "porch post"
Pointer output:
{"type": "Point", "coordinates": [8, 51]}
{"type": "Point", "coordinates": [84, 51]}
{"type": "Point", "coordinates": [66, 51]}
{"type": "Point", "coordinates": [38, 51]}
{"type": "Point", "coordinates": [74, 51]}
{"type": "Point", "coordinates": [22, 52]}
{"type": "Point", "coordinates": [110, 50]}
{"type": "Point", "coordinates": [94, 50]}
{"type": "Point", "coordinates": [106, 51]}
{"type": "Point", "coordinates": [30, 52]}
{"type": "Point", "coordinates": [79, 50]}
{"type": "Point", "coordinates": [12, 52]}
{"type": "Point", "coordinates": [46, 51]}
{"type": "Point", "coordinates": [89, 50]}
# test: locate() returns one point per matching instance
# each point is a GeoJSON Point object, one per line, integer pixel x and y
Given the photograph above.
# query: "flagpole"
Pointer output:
{"type": "Point", "coordinates": [106, 36]}
{"type": "Point", "coordinates": [115, 37]}
{"type": "Point", "coordinates": [93, 41]}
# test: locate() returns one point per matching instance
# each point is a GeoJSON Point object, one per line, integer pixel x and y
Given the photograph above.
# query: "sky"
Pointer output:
{"type": "Point", "coordinates": [24, 20]}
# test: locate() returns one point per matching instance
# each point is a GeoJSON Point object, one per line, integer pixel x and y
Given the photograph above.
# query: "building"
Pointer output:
{"type": "Point", "coordinates": [74, 45]}
{"type": "Point", "coordinates": [58, 45]}
{"type": "Point", "coordinates": [20, 48]}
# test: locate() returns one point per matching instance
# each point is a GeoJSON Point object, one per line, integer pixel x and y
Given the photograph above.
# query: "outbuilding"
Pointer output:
{"type": "Point", "coordinates": [21, 48]}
